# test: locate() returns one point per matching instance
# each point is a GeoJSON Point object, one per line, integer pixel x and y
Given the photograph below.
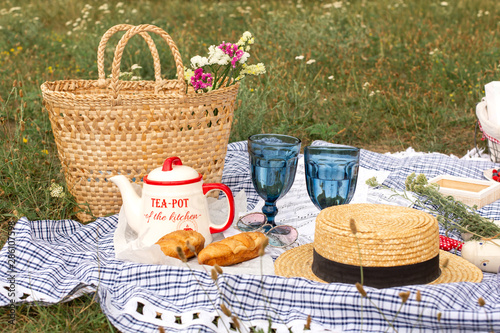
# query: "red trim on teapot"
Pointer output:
{"type": "Point", "coordinates": [173, 182]}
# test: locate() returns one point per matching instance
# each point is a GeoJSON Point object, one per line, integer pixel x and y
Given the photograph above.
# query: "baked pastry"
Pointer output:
{"type": "Point", "coordinates": [171, 241]}
{"type": "Point", "coordinates": [232, 250]}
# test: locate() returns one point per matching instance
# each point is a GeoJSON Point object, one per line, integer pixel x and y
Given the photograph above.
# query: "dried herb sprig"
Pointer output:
{"type": "Point", "coordinates": [451, 213]}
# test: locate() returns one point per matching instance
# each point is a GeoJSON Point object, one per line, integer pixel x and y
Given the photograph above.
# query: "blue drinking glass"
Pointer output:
{"type": "Point", "coordinates": [331, 174]}
{"type": "Point", "coordinates": [273, 162]}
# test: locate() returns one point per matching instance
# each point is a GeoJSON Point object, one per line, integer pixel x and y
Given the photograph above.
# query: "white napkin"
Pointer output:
{"type": "Point", "coordinates": [492, 92]}
{"type": "Point", "coordinates": [129, 247]}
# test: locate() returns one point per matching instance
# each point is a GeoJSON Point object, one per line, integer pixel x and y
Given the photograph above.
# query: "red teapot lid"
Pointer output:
{"type": "Point", "coordinates": [173, 173]}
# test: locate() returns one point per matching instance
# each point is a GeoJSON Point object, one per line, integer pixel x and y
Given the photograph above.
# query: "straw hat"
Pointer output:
{"type": "Point", "coordinates": [397, 246]}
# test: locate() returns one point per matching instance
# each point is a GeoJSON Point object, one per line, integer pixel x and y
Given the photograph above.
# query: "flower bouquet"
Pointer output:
{"type": "Point", "coordinates": [225, 65]}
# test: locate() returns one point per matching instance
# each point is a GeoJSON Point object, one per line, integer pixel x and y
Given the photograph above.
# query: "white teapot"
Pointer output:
{"type": "Point", "coordinates": [173, 198]}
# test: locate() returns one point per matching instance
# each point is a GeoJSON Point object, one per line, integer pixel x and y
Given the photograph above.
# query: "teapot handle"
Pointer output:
{"type": "Point", "coordinates": [229, 195]}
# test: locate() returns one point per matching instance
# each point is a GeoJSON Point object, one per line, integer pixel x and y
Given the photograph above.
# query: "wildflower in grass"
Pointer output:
{"type": "Point", "coordinates": [218, 269]}
{"type": "Point", "coordinates": [444, 3]}
{"type": "Point", "coordinates": [366, 85]}
{"type": "Point", "coordinates": [361, 290]}
{"type": "Point", "coordinates": [300, 57]}
{"type": "Point", "coordinates": [135, 66]}
{"type": "Point", "coordinates": [181, 254]}
{"type": "Point", "coordinates": [201, 80]}
{"type": "Point", "coordinates": [214, 274]}
{"type": "Point", "coordinates": [14, 9]}
{"type": "Point", "coordinates": [56, 191]}
{"type": "Point", "coordinates": [404, 295]}
{"type": "Point", "coordinates": [352, 225]}
{"type": "Point", "coordinates": [225, 310]}
{"type": "Point", "coordinates": [310, 61]}
{"type": "Point", "coordinates": [331, 77]}
{"type": "Point", "coordinates": [337, 4]}
{"type": "Point", "coordinates": [104, 7]}
{"type": "Point", "coordinates": [119, 4]}
{"type": "Point", "coordinates": [45, 151]}
{"type": "Point", "coordinates": [25, 140]}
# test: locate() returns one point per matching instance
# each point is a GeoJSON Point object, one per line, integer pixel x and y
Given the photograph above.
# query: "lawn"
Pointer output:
{"type": "Point", "coordinates": [381, 75]}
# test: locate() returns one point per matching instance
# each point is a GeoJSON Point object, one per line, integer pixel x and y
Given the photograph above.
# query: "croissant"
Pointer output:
{"type": "Point", "coordinates": [179, 238]}
{"type": "Point", "coordinates": [232, 250]}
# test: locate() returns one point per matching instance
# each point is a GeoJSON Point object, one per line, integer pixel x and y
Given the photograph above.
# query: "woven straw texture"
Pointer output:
{"type": "Point", "coordinates": [107, 127]}
{"type": "Point", "coordinates": [387, 236]}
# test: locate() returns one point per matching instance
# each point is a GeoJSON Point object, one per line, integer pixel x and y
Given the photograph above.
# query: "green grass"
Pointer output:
{"type": "Point", "coordinates": [387, 75]}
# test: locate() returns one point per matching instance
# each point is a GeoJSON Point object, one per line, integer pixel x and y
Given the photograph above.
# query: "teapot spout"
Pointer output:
{"type": "Point", "coordinates": [132, 202]}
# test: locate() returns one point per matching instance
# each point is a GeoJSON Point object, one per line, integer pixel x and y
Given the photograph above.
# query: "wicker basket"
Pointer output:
{"type": "Point", "coordinates": [490, 131]}
{"type": "Point", "coordinates": [107, 127]}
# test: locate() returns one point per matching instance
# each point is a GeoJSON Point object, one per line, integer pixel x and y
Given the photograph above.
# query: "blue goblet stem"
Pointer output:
{"type": "Point", "coordinates": [270, 210]}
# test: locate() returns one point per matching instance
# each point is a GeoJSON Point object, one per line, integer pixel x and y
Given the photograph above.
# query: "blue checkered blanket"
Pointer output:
{"type": "Point", "coordinates": [55, 261]}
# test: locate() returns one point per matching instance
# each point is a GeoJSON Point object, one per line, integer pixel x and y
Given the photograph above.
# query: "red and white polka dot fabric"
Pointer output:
{"type": "Point", "coordinates": [448, 244]}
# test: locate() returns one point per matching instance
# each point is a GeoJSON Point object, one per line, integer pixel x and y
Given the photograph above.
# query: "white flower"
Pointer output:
{"type": "Point", "coordinates": [135, 66]}
{"type": "Point", "coordinates": [14, 9]}
{"type": "Point", "coordinates": [246, 38]}
{"type": "Point", "coordinates": [68, 23]}
{"type": "Point", "coordinates": [444, 3]}
{"type": "Point", "coordinates": [103, 7]}
{"type": "Point", "coordinates": [244, 58]}
{"type": "Point", "coordinates": [300, 57]}
{"type": "Point", "coordinates": [134, 11]}
{"type": "Point", "coordinates": [119, 4]}
{"type": "Point", "coordinates": [371, 93]}
{"type": "Point", "coordinates": [310, 61]}
{"type": "Point", "coordinates": [56, 191]}
{"type": "Point", "coordinates": [198, 61]}
{"type": "Point", "coordinates": [121, 11]}
{"type": "Point", "coordinates": [366, 85]}
{"type": "Point", "coordinates": [337, 4]}
{"type": "Point", "coordinates": [217, 56]}
{"type": "Point", "coordinates": [331, 77]}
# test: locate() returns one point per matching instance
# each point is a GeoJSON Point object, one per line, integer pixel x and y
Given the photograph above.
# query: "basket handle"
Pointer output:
{"type": "Point", "coordinates": [102, 47]}
{"type": "Point", "coordinates": [115, 85]}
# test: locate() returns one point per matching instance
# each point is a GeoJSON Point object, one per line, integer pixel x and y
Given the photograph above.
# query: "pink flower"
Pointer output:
{"type": "Point", "coordinates": [201, 80]}
{"type": "Point", "coordinates": [233, 51]}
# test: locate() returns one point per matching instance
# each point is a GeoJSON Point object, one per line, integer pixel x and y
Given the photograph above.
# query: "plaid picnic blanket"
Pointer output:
{"type": "Point", "coordinates": [54, 261]}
